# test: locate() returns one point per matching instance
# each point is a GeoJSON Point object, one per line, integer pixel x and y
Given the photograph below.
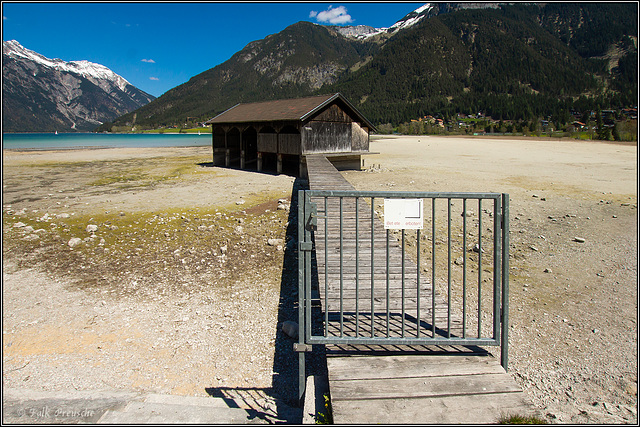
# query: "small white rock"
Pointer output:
{"type": "Point", "coordinates": [74, 242]}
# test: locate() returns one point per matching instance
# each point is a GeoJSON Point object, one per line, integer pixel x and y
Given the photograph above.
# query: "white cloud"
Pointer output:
{"type": "Point", "coordinates": [333, 15]}
{"type": "Point", "coordinates": [151, 61]}
{"type": "Point", "coordinates": [154, 78]}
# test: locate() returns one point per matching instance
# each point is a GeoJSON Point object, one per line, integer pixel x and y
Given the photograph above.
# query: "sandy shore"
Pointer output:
{"type": "Point", "coordinates": [170, 227]}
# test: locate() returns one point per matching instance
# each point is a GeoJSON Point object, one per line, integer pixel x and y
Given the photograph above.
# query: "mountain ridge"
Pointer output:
{"type": "Point", "coordinates": [511, 61]}
{"type": "Point", "coordinates": [46, 95]}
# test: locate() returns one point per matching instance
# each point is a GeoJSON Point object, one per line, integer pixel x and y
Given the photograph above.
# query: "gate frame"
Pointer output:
{"type": "Point", "coordinates": [307, 222]}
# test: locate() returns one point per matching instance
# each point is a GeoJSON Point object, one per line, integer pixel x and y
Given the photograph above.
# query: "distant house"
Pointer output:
{"type": "Point", "coordinates": [277, 135]}
{"type": "Point", "coordinates": [631, 113]}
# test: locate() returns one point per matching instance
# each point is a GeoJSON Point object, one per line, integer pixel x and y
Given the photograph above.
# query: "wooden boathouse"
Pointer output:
{"type": "Point", "coordinates": [277, 135]}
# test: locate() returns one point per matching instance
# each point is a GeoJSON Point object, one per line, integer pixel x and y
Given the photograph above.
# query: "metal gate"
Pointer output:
{"type": "Point", "coordinates": [402, 269]}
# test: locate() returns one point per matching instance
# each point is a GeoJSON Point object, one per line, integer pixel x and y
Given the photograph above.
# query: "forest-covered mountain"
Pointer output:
{"type": "Point", "coordinates": [510, 62]}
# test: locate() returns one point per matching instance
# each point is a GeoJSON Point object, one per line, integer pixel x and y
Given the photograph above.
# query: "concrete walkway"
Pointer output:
{"type": "Point", "coordinates": [22, 406]}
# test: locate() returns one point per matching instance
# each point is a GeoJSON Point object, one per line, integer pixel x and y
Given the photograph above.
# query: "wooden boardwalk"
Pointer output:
{"type": "Point", "coordinates": [337, 262]}
{"type": "Point", "coordinates": [393, 384]}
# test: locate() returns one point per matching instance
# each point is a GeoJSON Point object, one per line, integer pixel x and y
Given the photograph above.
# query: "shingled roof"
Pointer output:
{"type": "Point", "coordinates": [298, 109]}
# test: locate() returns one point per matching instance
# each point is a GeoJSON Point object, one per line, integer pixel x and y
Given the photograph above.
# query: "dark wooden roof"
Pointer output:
{"type": "Point", "coordinates": [298, 109]}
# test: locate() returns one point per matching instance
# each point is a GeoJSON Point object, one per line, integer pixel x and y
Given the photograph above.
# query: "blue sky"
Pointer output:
{"type": "Point", "coordinates": [158, 46]}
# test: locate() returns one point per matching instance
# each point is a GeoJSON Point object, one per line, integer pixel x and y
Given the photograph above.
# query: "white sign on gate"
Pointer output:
{"type": "Point", "coordinates": [403, 214]}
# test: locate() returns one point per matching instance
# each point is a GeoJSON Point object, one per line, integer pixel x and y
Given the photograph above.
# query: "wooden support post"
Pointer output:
{"type": "Point", "coordinates": [226, 150]}
{"type": "Point", "coordinates": [259, 161]}
{"type": "Point", "coordinates": [279, 167]}
{"type": "Point", "coordinates": [241, 152]}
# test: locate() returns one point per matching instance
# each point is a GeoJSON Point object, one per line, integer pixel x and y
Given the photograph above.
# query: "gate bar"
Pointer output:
{"type": "Point", "coordinates": [479, 266]}
{"type": "Point", "coordinates": [357, 270]}
{"type": "Point", "coordinates": [326, 267]}
{"type": "Point", "coordinates": [404, 194]}
{"type": "Point", "coordinates": [433, 268]}
{"type": "Point", "coordinates": [448, 267]}
{"type": "Point", "coordinates": [372, 267]}
{"type": "Point", "coordinates": [418, 282]}
{"type": "Point", "coordinates": [464, 268]}
{"type": "Point", "coordinates": [341, 277]}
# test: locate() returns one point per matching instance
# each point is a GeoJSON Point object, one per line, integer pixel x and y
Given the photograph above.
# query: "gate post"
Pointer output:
{"type": "Point", "coordinates": [301, 281]}
{"type": "Point", "coordinates": [504, 350]}
{"type": "Point", "coordinates": [306, 219]}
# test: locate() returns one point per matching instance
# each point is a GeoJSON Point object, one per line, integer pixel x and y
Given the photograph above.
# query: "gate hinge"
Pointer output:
{"type": "Point", "coordinates": [312, 223]}
{"type": "Point", "coordinates": [301, 347]}
{"type": "Point", "coordinates": [305, 246]}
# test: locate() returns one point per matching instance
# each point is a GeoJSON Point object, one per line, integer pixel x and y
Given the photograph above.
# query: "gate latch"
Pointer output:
{"type": "Point", "coordinates": [301, 347]}
{"type": "Point", "coordinates": [312, 222]}
{"type": "Point", "coordinates": [305, 246]}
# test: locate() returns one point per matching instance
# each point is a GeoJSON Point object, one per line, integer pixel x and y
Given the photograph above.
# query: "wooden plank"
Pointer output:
{"type": "Point", "coordinates": [429, 389]}
{"type": "Point", "coordinates": [350, 368]}
{"type": "Point", "coordinates": [472, 409]}
{"type": "Point", "coordinates": [449, 385]}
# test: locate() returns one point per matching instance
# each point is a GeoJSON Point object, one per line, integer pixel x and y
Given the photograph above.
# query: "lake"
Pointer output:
{"type": "Point", "coordinates": [62, 141]}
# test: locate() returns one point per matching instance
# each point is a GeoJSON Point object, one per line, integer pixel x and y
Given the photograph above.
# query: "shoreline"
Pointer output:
{"type": "Point", "coordinates": [92, 141]}
{"type": "Point", "coordinates": [506, 137]}
{"type": "Point", "coordinates": [27, 150]}
{"type": "Point", "coordinates": [94, 147]}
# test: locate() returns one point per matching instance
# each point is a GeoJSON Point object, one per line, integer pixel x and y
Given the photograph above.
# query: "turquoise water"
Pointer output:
{"type": "Point", "coordinates": [48, 141]}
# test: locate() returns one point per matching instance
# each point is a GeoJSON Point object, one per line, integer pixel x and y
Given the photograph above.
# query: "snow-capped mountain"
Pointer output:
{"type": "Point", "coordinates": [90, 70]}
{"type": "Point", "coordinates": [364, 32]}
{"type": "Point", "coordinates": [42, 94]}
{"type": "Point", "coordinates": [427, 10]}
